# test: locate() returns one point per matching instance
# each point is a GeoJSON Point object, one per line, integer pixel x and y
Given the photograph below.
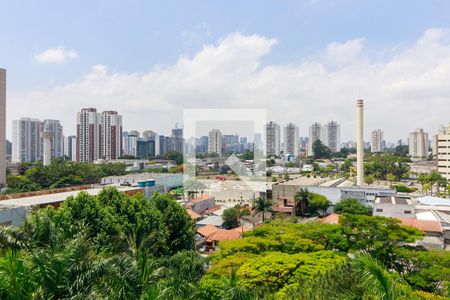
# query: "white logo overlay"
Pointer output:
{"type": "Point", "coordinates": [224, 155]}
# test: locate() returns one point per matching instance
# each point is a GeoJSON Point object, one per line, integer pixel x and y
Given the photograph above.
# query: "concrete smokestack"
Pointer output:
{"type": "Point", "coordinates": [360, 142]}
{"type": "Point", "coordinates": [48, 135]}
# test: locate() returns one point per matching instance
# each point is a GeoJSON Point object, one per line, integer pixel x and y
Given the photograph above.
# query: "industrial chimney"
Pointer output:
{"type": "Point", "coordinates": [360, 142]}
{"type": "Point", "coordinates": [48, 135]}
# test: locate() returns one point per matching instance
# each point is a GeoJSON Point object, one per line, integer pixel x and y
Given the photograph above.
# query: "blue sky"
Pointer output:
{"type": "Point", "coordinates": [138, 37]}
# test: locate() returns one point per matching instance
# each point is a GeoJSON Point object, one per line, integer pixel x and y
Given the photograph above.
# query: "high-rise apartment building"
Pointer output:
{"type": "Point", "coordinates": [443, 152]}
{"type": "Point", "coordinates": [57, 140]}
{"type": "Point", "coordinates": [202, 145]}
{"type": "Point", "coordinates": [70, 147]}
{"type": "Point", "coordinates": [2, 127]}
{"type": "Point", "coordinates": [376, 142]}
{"type": "Point", "coordinates": [273, 139]}
{"type": "Point", "coordinates": [291, 139]}
{"type": "Point", "coordinates": [315, 133]}
{"type": "Point", "coordinates": [418, 144]}
{"type": "Point", "coordinates": [332, 136]}
{"type": "Point", "coordinates": [27, 140]}
{"type": "Point", "coordinates": [88, 135]}
{"type": "Point", "coordinates": [111, 136]}
{"type": "Point", "coordinates": [215, 141]}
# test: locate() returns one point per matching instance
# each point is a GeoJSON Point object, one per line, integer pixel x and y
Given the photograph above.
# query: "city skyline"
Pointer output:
{"type": "Point", "coordinates": [256, 63]}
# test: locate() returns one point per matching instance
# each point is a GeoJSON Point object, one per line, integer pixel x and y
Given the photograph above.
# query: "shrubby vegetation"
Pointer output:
{"type": "Point", "coordinates": [116, 246]}
{"type": "Point", "coordinates": [352, 206]}
{"type": "Point", "coordinates": [387, 167]}
{"type": "Point", "coordinates": [60, 173]}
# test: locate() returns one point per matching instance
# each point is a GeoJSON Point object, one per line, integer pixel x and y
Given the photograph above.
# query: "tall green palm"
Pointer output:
{"type": "Point", "coordinates": [375, 277]}
{"type": "Point", "coordinates": [302, 199]}
{"type": "Point", "coordinates": [263, 205]}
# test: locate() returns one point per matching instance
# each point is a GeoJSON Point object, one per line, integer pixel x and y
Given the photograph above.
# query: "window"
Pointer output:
{"type": "Point", "coordinates": [379, 210]}
{"type": "Point", "coordinates": [407, 212]}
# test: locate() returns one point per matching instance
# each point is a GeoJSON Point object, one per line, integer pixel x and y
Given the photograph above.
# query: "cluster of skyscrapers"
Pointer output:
{"type": "Point", "coordinates": [329, 134]}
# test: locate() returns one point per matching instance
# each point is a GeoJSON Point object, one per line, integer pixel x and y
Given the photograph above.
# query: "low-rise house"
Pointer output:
{"type": "Point", "coordinates": [201, 203]}
{"type": "Point", "coordinates": [394, 207]}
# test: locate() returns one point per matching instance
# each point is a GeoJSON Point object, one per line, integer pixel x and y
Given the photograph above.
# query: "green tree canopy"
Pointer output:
{"type": "Point", "coordinates": [352, 206]}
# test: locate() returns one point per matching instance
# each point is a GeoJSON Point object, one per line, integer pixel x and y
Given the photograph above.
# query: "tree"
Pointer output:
{"type": "Point", "coordinates": [352, 206]}
{"type": "Point", "coordinates": [263, 205]}
{"type": "Point", "coordinates": [230, 218]}
{"type": "Point", "coordinates": [369, 179]}
{"type": "Point", "coordinates": [320, 150]}
{"type": "Point", "coordinates": [426, 188]}
{"type": "Point", "coordinates": [302, 200]}
{"type": "Point", "coordinates": [391, 177]}
{"type": "Point", "coordinates": [318, 204]}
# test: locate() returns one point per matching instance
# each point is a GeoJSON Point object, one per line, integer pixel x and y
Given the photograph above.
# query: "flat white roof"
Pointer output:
{"type": "Point", "coordinates": [55, 198]}
{"type": "Point", "coordinates": [429, 200]}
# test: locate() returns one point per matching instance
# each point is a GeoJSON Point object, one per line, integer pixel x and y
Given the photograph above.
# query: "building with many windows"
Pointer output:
{"type": "Point", "coordinates": [376, 142]}
{"type": "Point", "coordinates": [111, 135]}
{"type": "Point", "coordinates": [315, 133]}
{"type": "Point", "coordinates": [332, 136]}
{"type": "Point", "coordinates": [443, 152]}
{"type": "Point", "coordinates": [88, 135]}
{"type": "Point", "coordinates": [27, 140]}
{"type": "Point", "coordinates": [291, 139]}
{"type": "Point", "coordinates": [2, 127]}
{"type": "Point", "coordinates": [273, 140]}
{"type": "Point", "coordinates": [70, 147]}
{"type": "Point", "coordinates": [57, 140]}
{"type": "Point", "coordinates": [215, 140]}
{"type": "Point", "coordinates": [418, 144]}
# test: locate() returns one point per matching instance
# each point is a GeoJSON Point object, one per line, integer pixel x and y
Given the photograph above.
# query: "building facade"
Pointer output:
{"type": "Point", "coordinates": [443, 152]}
{"type": "Point", "coordinates": [70, 147]}
{"type": "Point", "coordinates": [27, 140]}
{"type": "Point", "coordinates": [88, 135]}
{"type": "Point", "coordinates": [291, 139]}
{"type": "Point", "coordinates": [111, 135]}
{"type": "Point", "coordinates": [332, 136]}
{"type": "Point", "coordinates": [418, 144]}
{"type": "Point", "coordinates": [273, 139]}
{"type": "Point", "coordinates": [376, 142]}
{"type": "Point", "coordinates": [215, 140]}
{"type": "Point", "coordinates": [315, 133]}
{"type": "Point", "coordinates": [57, 140]}
{"type": "Point", "coordinates": [2, 127]}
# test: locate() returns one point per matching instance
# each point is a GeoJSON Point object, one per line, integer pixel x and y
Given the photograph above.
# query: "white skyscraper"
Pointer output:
{"type": "Point", "coordinates": [88, 135]}
{"type": "Point", "coordinates": [70, 147]}
{"type": "Point", "coordinates": [376, 144]}
{"type": "Point", "coordinates": [332, 136]}
{"type": "Point", "coordinates": [54, 126]}
{"type": "Point", "coordinates": [418, 144]}
{"type": "Point", "coordinates": [443, 152]}
{"type": "Point", "coordinates": [27, 140]}
{"type": "Point", "coordinates": [215, 141]}
{"type": "Point", "coordinates": [291, 139]}
{"type": "Point", "coordinates": [315, 133]}
{"type": "Point", "coordinates": [2, 127]}
{"type": "Point", "coordinates": [111, 136]}
{"type": "Point", "coordinates": [273, 139]}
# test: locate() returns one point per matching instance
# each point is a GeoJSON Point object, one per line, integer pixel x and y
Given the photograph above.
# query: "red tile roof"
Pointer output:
{"type": "Point", "coordinates": [224, 235]}
{"type": "Point", "coordinates": [193, 214]}
{"type": "Point", "coordinates": [201, 198]}
{"type": "Point", "coordinates": [423, 225]}
{"type": "Point", "coordinates": [207, 230]}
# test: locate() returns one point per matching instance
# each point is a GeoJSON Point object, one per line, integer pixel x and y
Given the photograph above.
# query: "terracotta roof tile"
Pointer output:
{"type": "Point", "coordinates": [423, 225]}
{"type": "Point", "coordinates": [207, 230]}
{"type": "Point", "coordinates": [224, 235]}
{"type": "Point", "coordinates": [193, 214]}
{"type": "Point", "coordinates": [330, 219]}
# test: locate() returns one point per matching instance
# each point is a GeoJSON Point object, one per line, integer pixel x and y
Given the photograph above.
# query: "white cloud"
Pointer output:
{"type": "Point", "coordinates": [408, 90]}
{"type": "Point", "coordinates": [56, 55]}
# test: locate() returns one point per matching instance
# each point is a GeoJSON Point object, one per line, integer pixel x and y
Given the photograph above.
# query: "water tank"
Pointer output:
{"type": "Point", "coordinates": [142, 184]}
{"type": "Point", "coordinates": [151, 182]}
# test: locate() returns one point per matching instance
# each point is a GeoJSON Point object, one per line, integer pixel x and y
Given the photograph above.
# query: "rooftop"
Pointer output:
{"type": "Point", "coordinates": [193, 214]}
{"type": "Point", "coordinates": [211, 220]}
{"type": "Point", "coordinates": [430, 200]}
{"type": "Point", "coordinates": [224, 235]}
{"type": "Point", "coordinates": [207, 230]}
{"type": "Point", "coordinates": [57, 197]}
{"type": "Point", "coordinates": [201, 198]}
{"type": "Point", "coordinates": [423, 225]}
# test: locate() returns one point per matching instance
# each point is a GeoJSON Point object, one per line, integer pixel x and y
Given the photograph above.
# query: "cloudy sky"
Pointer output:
{"type": "Point", "coordinates": [303, 61]}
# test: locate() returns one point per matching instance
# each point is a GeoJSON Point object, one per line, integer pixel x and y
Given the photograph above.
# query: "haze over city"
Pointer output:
{"type": "Point", "coordinates": [304, 61]}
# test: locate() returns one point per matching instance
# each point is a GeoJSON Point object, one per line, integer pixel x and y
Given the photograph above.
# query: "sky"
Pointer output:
{"type": "Point", "coordinates": [304, 61]}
